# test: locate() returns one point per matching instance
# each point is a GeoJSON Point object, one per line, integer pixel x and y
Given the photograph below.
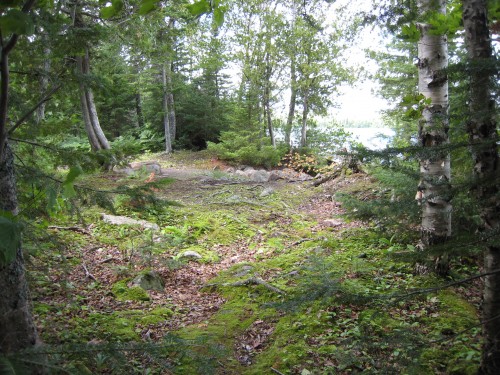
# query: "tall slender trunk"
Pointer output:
{"type": "Point", "coordinates": [483, 138]}
{"type": "Point", "coordinates": [170, 102]}
{"type": "Point", "coordinates": [305, 114]}
{"type": "Point", "coordinates": [138, 98]}
{"type": "Point", "coordinates": [44, 76]}
{"type": "Point", "coordinates": [434, 186]}
{"type": "Point", "coordinates": [293, 99]}
{"type": "Point", "coordinates": [267, 99]}
{"type": "Point", "coordinates": [98, 140]}
{"type": "Point", "coordinates": [138, 111]}
{"type": "Point", "coordinates": [166, 123]}
{"type": "Point", "coordinates": [17, 329]}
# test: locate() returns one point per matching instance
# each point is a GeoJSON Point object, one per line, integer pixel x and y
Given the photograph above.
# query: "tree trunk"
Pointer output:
{"type": "Point", "coordinates": [483, 138]}
{"type": "Point", "coordinates": [267, 95]}
{"type": "Point", "coordinates": [17, 330]}
{"type": "Point", "coordinates": [434, 186]}
{"type": "Point", "coordinates": [305, 113]}
{"type": "Point", "coordinates": [170, 103]}
{"type": "Point", "coordinates": [293, 99]}
{"type": "Point", "coordinates": [44, 77]}
{"type": "Point", "coordinates": [138, 111]}
{"type": "Point", "coordinates": [98, 140]}
{"type": "Point", "coordinates": [166, 124]}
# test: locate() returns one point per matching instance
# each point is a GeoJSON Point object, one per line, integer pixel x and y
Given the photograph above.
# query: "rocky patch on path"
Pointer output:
{"type": "Point", "coordinates": [262, 175]}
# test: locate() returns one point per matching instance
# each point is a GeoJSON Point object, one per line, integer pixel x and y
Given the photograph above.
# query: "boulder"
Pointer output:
{"type": "Point", "coordinates": [123, 220]}
{"type": "Point", "coordinates": [190, 254]}
{"type": "Point", "coordinates": [149, 280]}
{"type": "Point", "coordinates": [258, 175]}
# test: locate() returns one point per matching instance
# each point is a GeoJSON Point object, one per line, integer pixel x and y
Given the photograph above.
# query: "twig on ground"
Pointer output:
{"type": "Point", "coordinates": [107, 260]}
{"type": "Point", "coordinates": [74, 229]}
{"type": "Point", "coordinates": [276, 371]}
{"type": "Point", "coordinates": [88, 275]}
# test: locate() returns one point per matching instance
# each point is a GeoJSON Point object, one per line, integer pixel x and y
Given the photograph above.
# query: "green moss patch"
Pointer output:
{"type": "Point", "coordinates": [123, 292]}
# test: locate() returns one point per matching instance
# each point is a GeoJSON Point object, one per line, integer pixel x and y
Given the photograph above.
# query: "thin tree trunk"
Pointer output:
{"type": "Point", "coordinates": [170, 102]}
{"type": "Point", "coordinates": [17, 329]}
{"type": "Point", "coordinates": [293, 99]}
{"type": "Point", "coordinates": [166, 125]}
{"type": "Point", "coordinates": [483, 138]}
{"type": "Point", "coordinates": [98, 140]}
{"type": "Point", "coordinates": [44, 77]}
{"type": "Point", "coordinates": [434, 186]}
{"type": "Point", "coordinates": [305, 113]}
{"type": "Point", "coordinates": [138, 111]}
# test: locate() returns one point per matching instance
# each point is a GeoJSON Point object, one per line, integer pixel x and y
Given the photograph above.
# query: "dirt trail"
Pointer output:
{"type": "Point", "coordinates": [106, 264]}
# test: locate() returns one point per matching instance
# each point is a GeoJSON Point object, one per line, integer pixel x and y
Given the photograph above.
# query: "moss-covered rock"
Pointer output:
{"type": "Point", "coordinates": [123, 292]}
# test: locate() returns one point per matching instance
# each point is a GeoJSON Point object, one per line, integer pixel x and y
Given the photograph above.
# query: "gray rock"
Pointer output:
{"type": "Point", "coordinates": [191, 254]}
{"type": "Point", "coordinates": [259, 176]}
{"type": "Point", "coordinates": [266, 192]}
{"type": "Point", "coordinates": [150, 280]}
{"type": "Point", "coordinates": [275, 175]}
{"type": "Point", "coordinates": [332, 223]}
{"type": "Point", "coordinates": [150, 166]}
{"type": "Point", "coordinates": [123, 220]}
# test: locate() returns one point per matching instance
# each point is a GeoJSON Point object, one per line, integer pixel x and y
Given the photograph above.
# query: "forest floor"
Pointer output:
{"type": "Point", "coordinates": [259, 278]}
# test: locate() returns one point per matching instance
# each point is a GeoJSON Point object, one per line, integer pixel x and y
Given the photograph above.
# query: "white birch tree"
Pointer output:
{"type": "Point", "coordinates": [434, 188]}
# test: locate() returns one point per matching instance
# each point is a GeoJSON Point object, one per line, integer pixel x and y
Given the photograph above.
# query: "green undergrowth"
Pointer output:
{"type": "Point", "coordinates": [303, 301]}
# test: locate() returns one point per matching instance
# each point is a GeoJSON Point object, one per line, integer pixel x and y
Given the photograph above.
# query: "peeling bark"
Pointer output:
{"type": "Point", "coordinates": [435, 172]}
{"type": "Point", "coordinates": [483, 138]}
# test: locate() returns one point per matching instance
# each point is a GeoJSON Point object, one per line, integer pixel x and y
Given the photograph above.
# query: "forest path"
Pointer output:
{"type": "Point", "coordinates": [231, 222]}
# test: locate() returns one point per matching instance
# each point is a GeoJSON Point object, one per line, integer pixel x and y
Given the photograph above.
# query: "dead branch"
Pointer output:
{"type": "Point", "coordinates": [74, 229]}
{"type": "Point", "coordinates": [88, 275]}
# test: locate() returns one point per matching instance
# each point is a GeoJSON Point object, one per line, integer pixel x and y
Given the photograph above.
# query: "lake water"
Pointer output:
{"type": "Point", "coordinates": [372, 138]}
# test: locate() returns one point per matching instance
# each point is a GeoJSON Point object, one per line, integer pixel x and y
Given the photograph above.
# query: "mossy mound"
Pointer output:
{"type": "Point", "coordinates": [123, 292]}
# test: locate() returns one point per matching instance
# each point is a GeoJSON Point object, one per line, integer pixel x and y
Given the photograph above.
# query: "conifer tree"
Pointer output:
{"type": "Point", "coordinates": [17, 329]}
{"type": "Point", "coordinates": [483, 139]}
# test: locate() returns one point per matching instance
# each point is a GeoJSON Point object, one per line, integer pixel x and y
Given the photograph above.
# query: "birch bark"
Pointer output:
{"type": "Point", "coordinates": [483, 138]}
{"type": "Point", "coordinates": [435, 173]}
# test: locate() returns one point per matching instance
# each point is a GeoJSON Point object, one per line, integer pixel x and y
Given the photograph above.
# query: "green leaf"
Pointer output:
{"type": "Point", "coordinates": [410, 33]}
{"type": "Point", "coordinates": [16, 22]}
{"type": "Point", "coordinates": [218, 16]}
{"type": "Point", "coordinates": [68, 188]}
{"type": "Point", "coordinates": [69, 191]}
{"type": "Point", "coordinates": [73, 173]}
{"type": "Point", "coordinates": [107, 12]}
{"type": "Point", "coordinates": [111, 11]}
{"type": "Point", "coordinates": [10, 240]}
{"type": "Point", "coordinates": [147, 6]}
{"type": "Point", "coordinates": [199, 8]}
